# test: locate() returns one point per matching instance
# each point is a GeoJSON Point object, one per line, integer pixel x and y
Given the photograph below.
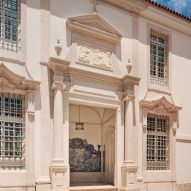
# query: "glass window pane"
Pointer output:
{"type": "Point", "coordinates": [12, 131]}
{"type": "Point", "coordinates": [157, 142]}
{"type": "Point", "coordinates": [158, 55]}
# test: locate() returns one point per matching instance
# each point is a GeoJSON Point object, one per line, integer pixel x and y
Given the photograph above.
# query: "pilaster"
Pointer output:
{"type": "Point", "coordinates": [30, 133]}
{"type": "Point", "coordinates": [129, 169]}
{"type": "Point", "coordinates": [59, 167]}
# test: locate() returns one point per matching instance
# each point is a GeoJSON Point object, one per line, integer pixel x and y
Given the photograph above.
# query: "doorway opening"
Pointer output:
{"type": "Point", "coordinates": [91, 145]}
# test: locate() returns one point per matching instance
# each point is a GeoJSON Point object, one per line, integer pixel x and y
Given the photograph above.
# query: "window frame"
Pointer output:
{"type": "Point", "coordinates": [8, 39]}
{"type": "Point", "coordinates": [159, 175]}
{"type": "Point", "coordinates": [157, 79]}
{"type": "Point", "coordinates": [154, 133]}
{"type": "Point", "coordinates": [15, 162]}
{"type": "Point", "coordinates": [161, 29]}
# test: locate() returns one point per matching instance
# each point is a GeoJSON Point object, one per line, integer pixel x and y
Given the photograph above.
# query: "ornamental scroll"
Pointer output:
{"type": "Point", "coordinates": [94, 56]}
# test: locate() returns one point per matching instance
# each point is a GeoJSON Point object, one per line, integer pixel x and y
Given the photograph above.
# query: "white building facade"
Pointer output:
{"type": "Point", "coordinates": [94, 95]}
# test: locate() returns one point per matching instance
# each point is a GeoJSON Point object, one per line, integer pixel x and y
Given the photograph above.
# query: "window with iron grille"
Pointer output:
{"type": "Point", "coordinates": [158, 58]}
{"type": "Point", "coordinates": [9, 24]}
{"type": "Point", "coordinates": [157, 142]}
{"type": "Point", "coordinates": [12, 131]}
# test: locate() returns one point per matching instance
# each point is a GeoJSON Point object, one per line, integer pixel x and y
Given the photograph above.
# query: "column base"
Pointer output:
{"type": "Point", "coordinates": [59, 175]}
{"type": "Point", "coordinates": [129, 180]}
{"type": "Point", "coordinates": [43, 183]}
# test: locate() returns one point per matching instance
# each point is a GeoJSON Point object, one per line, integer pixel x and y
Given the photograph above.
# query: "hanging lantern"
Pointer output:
{"type": "Point", "coordinates": [79, 125]}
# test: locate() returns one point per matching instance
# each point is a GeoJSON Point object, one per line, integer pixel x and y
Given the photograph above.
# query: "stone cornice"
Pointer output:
{"type": "Point", "coordinates": [132, 6]}
{"type": "Point", "coordinates": [94, 25]}
{"type": "Point", "coordinates": [58, 64]}
{"type": "Point", "coordinates": [12, 81]}
{"type": "Point", "coordinates": [152, 13]}
{"type": "Point", "coordinates": [11, 60]}
{"type": "Point", "coordinates": [112, 80]}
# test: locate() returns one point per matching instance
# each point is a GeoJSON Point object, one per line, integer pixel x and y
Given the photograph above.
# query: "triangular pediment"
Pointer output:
{"type": "Point", "coordinates": [94, 23]}
{"type": "Point", "coordinates": [11, 81]}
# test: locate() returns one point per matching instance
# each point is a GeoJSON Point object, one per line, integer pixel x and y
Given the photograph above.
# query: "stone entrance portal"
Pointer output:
{"type": "Point", "coordinates": [91, 145]}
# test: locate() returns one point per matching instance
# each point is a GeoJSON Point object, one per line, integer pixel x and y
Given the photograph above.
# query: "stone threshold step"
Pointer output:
{"type": "Point", "coordinates": [93, 188]}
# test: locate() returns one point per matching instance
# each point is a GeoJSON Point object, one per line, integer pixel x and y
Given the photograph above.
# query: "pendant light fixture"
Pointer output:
{"type": "Point", "coordinates": [79, 125]}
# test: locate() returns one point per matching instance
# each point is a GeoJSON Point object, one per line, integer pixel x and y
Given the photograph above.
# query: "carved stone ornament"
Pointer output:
{"type": "Point", "coordinates": [58, 48]}
{"type": "Point", "coordinates": [31, 116]}
{"type": "Point", "coordinates": [129, 66]}
{"type": "Point", "coordinates": [5, 84]}
{"type": "Point", "coordinates": [58, 85]}
{"type": "Point", "coordinates": [11, 81]}
{"type": "Point", "coordinates": [161, 105]}
{"type": "Point", "coordinates": [94, 56]}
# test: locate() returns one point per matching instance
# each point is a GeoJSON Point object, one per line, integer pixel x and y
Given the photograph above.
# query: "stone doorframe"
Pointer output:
{"type": "Point", "coordinates": [124, 103]}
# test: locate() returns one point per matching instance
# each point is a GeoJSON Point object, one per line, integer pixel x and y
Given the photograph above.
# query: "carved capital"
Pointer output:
{"type": "Point", "coordinates": [129, 97]}
{"type": "Point", "coordinates": [58, 85]}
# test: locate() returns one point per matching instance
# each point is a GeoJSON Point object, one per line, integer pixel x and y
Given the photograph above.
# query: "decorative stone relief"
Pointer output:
{"type": "Point", "coordinates": [94, 56]}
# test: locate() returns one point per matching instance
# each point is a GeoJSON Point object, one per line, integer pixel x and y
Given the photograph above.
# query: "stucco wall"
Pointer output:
{"type": "Point", "coordinates": [43, 25]}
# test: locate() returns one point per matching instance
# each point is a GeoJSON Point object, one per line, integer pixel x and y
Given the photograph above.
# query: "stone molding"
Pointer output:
{"type": "Point", "coordinates": [6, 85]}
{"type": "Point", "coordinates": [57, 64]}
{"type": "Point", "coordinates": [60, 65]}
{"type": "Point", "coordinates": [95, 25]}
{"type": "Point", "coordinates": [132, 6]}
{"type": "Point", "coordinates": [57, 171]}
{"type": "Point", "coordinates": [11, 60]}
{"type": "Point", "coordinates": [12, 81]}
{"type": "Point", "coordinates": [129, 177]}
{"type": "Point", "coordinates": [161, 105]}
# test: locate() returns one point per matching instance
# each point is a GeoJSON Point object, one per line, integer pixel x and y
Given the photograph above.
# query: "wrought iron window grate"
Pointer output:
{"type": "Point", "coordinates": [157, 142]}
{"type": "Point", "coordinates": [12, 131]}
{"type": "Point", "coordinates": [10, 14]}
{"type": "Point", "coordinates": [158, 58]}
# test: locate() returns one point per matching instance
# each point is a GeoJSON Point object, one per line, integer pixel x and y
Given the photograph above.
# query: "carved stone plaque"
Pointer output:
{"type": "Point", "coordinates": [94, 56]}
